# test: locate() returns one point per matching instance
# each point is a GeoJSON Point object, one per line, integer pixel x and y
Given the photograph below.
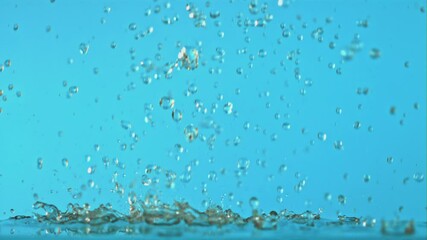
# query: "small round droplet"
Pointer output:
{"type": "Point", "coordinates": [254, 203]}
{"type": "Point", "coordinates": [8, 63]}
{"type": "Point", "coordinates": [283, 168]}
{"type": "Point", "coordinates": [366, 178]}
{"type": "Point", "coordinates": [243, 163]}
{"type": "Point", "coordinates": [73, 90]}
{"type": "Point", "coordinates": [228, 108]}
{"type": "Point", "coordinates": [357, 125]}
{"type": "Point", "coordinates": [39, 163]}
{"type": "Point", "coordinates": [390, 159]}
{"type": "Point", "coordinates": [342, 199]}
{"type": "Point", "coordinates": [322, 136]}
{"type": "Point", "coordinates": [132, 26]}
{"type": "Point", "coordinates": [286, 126]}
{"type": "Point", "coordinates": [375, 53]}
{"type": "Point", "coordinates": [65, 162]}
{"type": "Point", "coordinates": [191, 132]}
{"type": "Point", "coordinates": [192, 89]}
{"type": "Point", "coordinates": [418, 177]}
{"type": "Point", "coordinates": [176, 115]}
{"type": "Point", "coordinates": [84, 48]}
{"type": "Point", "coordinates": [406, 64]}
{"type": "Point", "coordinates": [167, 103]}
{"type": "Point", "coordinates": [339, 145]}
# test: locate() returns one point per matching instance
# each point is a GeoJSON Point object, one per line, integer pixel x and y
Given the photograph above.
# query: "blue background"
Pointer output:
{"type": "Point", "coordinates": [45, 123]}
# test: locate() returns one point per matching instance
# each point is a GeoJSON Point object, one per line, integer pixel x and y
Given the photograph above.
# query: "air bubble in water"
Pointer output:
{"type": "Point", "coordinates": [132, 26]}
{"type": "Point", "coordinates": [339, 145]}
{"type": "Point", "coordinates": [188, 58]}
{"type": "Point", "coordinates": [357, 125]}
{"type": "Point", "coordinates": [39, 163]}
{"type": "Point", "coordinates": [243, 163]}
{"type": "Point", "coordinates": [322, 136]}
{"type": "Point", "coordinates": [342, 199]}
{"type": "Point", "coordinates": [366, 178]}
{"type": "Point", "coordinates": [254, 203]}
{"type": "Point", "coordinates": [191, 132]}
{"type": "Point", "coordinates": [228, 108]}
{"type": "Point", "coordinates": [84, 48]}
{"type": "Point", "coordinates": [73, 90]}
{"type": "Point", "coordinates": [286, 126]}
{"type": "Point", "coordinates": [418, 177]}
{"type": "Point", "coordinates": [167, 103]}
{"type": "Point", "coordinates": [65, 162]}
{"type": "Point", "coordinates": [176, 115]}
{"type": "Point", "coordinates": [375, 53]}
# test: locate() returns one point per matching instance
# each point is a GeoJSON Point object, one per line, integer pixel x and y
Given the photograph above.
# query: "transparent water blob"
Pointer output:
{"type": "Point", "coordinates": [228, 108]}
{"type": "Point", "coordinates": [177, 115]}
{"type": "Point", "coordinates": [322, 136]}
{"type": "Point", "coordinates": [132, 26]}
{"type": "Point", "coordinates": [243, 163]}
{"type": "Point", "coordinates": [375, 53]}
{"type": "Point", "coordinates": [167, 103]}
{"type": "Point", "coordinates": [39, 163]}
{"type": "Point", "coordinates": [254, 203]}
{"type": "Point", "coordinates": [339, 145]}
{"type": "Point", "coordinates": [342, 199]}
{"type": "Point", "coordinates": [84, 48]}
{"type": "Point", "coordinates": [191, 132]}
{"type": "Point", "coordinates": [188, 58]}
{"type": "Point", "coordinates": [65, 162]}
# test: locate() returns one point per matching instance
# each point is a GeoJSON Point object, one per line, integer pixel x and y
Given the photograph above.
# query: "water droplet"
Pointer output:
{"type": "Point", "coordinates": [65, 162]}
{"type": "Point", "coordinates": [228, 108]}
{"type": "Point", "coordinates": [322, 136]}
{"type": "Point", "coordinates": [254, 203]}
{"type": "Point", "coordinates": [146, 180]}
{"type": "Point", "coordinates": [262, 53]}
{"type": "Point", "coordinates": [176, 115]}
{"type": "Point", "coordinates": [243, 163]}
{"type": "Point", "coordinates": [366, 178]}
{"type": "Point", "coordinates": [39, 163]}
{"type": "Point", "coordinates": [212, 176]}
{"type": "Point", "coordinates": [283, 168]}
{"type": "Point", "coordinates": [339, 145]}
{"type": "Point", "coordinates": [239, 70]}
{"type": "Point", "coordinates": [418, 177]}
{"type": "Point", "coordinates": [390, 159]}
{"type": "Point", "coordinates": [7, 63]}
{"type": "Point", "coordinates": [286, 126]}
{"type": "Point", "coordinates": [191, 132]}
{"type": "Point", "coordinates": [338, 110]}
{"type": "Point", "coordinates": [192, 89]}
{"type": "Point", "coordinates": [375, 53]}
{"type": "Point", "coordinates": [407, 64]}
{"type": "Point", "coordinates": [84, 48]}
{"type": "Point", "coordinates": [328, 196]}
{"type": "Point", "coordinates": [167, 103]}
{"type": "Point", "coordinates": [126, 124]}
{"type": "Point", "coordinates": [73, 90]}
{"type": "Point", "coordinates": [357, 125]}
{"type": "Point", "coordinates": [132, 26]}
{"type": "Point", "coordinates": [188, 58]}
{"type": "Point", "coordinates": [342, 199]}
